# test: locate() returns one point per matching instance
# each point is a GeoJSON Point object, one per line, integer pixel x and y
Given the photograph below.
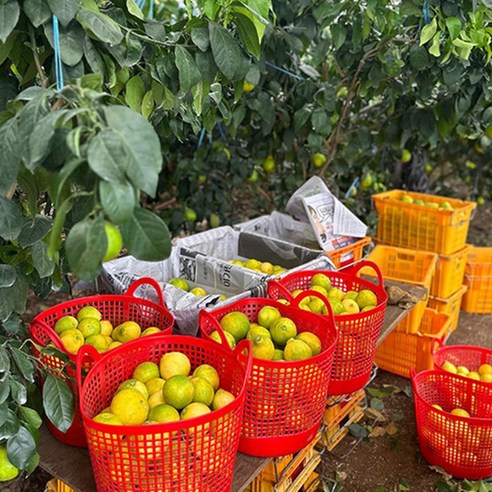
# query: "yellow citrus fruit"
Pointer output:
{"type": "Point", "coordinates": [72, 340]}
{"type": "Point", "coordinates": [278, 355]}
{"type": "Point", "coordinates": [152, 330]}
{"type": "Point", "coordinates": [115, 241]}
{"type": "Point", "coordinates": [7, 470]}
{"type": "Point", "coordinates": [114, 344]}
{"type": "Point", "coordinates": [336, 306]}
{"type": "Point", "coordinates": [336, 294]}
{"type": "Point", "coordinates": [297, 350]}
{"type": "Point", "coordinates": [209, 373]}
{"type": "Point", "coordinates": [350, 306]}
{"type": "Point", "coordinates": [485, 369]}
{"type": "Point", "coordinates": [129, 330]}
{"type": "Point", "coordinates": [296, 292]}
{"type": "Point", "coordinates": [180, 283]}
{"type": "Point", "coordinates": [89, 326]}
{"type": "Point", "coordinates": [164, 413]}
{"type": "Point", "coordinates": [447, 366]}
{"type": "Point", "coordinates": [321, 290]}
{"type": "Point", "coordinates": [154, 384]}
{"type": "Point", "coordinates": [269, 164]}
{"type": "Point", "coordinates": [351, 294]}
{"type": "Point", "coordinates": [156, 398]}
{"type": "Point", "coordinates": [237, 324]}
{"type": "Point", "coordinates": [66, 323]}
{"type": "Point", "coordinates": [230, 339]}
{"type": "Point", "coordinates": [194, 409]}
{"type": "Point", "coordinates": [146, 371]}
{"type": "Point", "coordinates": [312, 340]}
{"type": "Point", "coordinates": [462, 370]}
{"type": "Point", "coordinates": [99, 342]}
{"type": "Point", "coordinates": [266, 267]}
{"type": "Point", "coordinates": [174, 364]}
{"type": "Point", "coordinates": [178, 391]}
{"type": "Point", "coordinates": [367, 308]}
{"type": "Point", "coordinates": [252, 264]}
{"type": "Point", "coordinates": [282, 330]}
{"type": "Point", "coordinates": [460, 412]}
{"type": "Point", "coordinates": [222, 398]}
{"type": "Point", "coordinates": [130, 406]}
{"type": "Point", "coordinates": [257, 330]}
{"type": "Point", "coordinates": [317, 306]}
{"type": "Point", "coordinates": [204, 391]}
{"type": "Point", "coordinates": [106, 327]}
{"type": "Point", "coordinates": [322, 280]}
{"type": "Point", "coordinates": [486, 377]}
{"type": "Point", "coordinates": [134, 384]}
{"type": "Point", "coordinates": [365, 298]}
{"type": "Point", "coordinates": [262, 347]}
{"type": "Point", "coordinates": [107, 418]}
{"type": "Point", "coordinates": [248, 86]}
{"type": "Point", "coordinates": [267, 315]}
{"type": "Point", "coordinates": [89, 312]}
{"type": "Point", "coordinates": [198, 291]}
{"type": "Point", "coordinates": [473, 375]}
{"type": "Point", "coordinates": [318, 159]}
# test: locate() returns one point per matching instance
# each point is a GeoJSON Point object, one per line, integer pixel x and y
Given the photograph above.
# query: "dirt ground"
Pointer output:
{"type": "Point", "coordinates": [377, 464]}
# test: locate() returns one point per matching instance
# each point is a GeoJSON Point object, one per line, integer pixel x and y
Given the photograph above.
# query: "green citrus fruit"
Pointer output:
{"type": "Point", "coordinates": [297, 350]}
{"type": "Point", "coordinates": [209, 373]}
{"type": "Point", "coordinates": [115, 241]}
{"type": "Point", "coordinates": [7, 470]}
{"type": "Point", "coordinates": [322, 280]}
{"type": "Point", "coordinates": [230, 339]}
{"type": "Point", "coordinates": [267, 315]}
{"type": "Point", "coordinates": [89, 312]}
{"type": "Point", "coordinates": [406, 156]}
{"type": "Point", "coordinates": [134, 384]}
{"type": "Point", "coordinates": [66, 323]}
{"type": "Point", "coordinates": [146, 371]}
{"type": "Point", "coordinates": [130, 406]}
{"type": "Point", "coordinates": [262, 347]}
{"type": "Point", "coordinates": [163, 413]}
{"type": "Point", "coordinates": [269, 164]}
{"type": "Point", "coordinates": [178, 391]}
{"type": "Point", "coordinates": [235, 323]}
{"type": "Point", "coordinates": [312, 340]}
{"type": "Point", "coordinates": [190, 215]}
{"type": "Point", "coordinates": [174, 364]}
{"type": "Point", "coordinates": [180, 283]}
{"type": "Point", "coordinates": [282, 330]}
{"type": "Point", "coordinates": [204, 391]}
{"type": "Point", "coordinates": [89, 326]}
{"type": "Point", "coordinates": [222, 398]}
{"type": "Point", "coordinates": [318, 159]}
{"type": "Point", "coordinates": [365, 298]}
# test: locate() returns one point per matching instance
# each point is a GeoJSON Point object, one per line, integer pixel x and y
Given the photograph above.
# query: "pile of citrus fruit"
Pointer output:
{"type": "Point", "coordinates": [341, 302]}
{"type": "Point", "coordinates": [88, 328]}
{"type": "Point", "coordinates": [260, 266]}
{"type": "Point", "coordinates": [166, 391]}
{"type": "Point", "coordinates": [273, 336]}
{"type": "Point", "coordinates": [443, 205]}
{"type": "Point", "coordinates": [181, 283]}
{"type": "Point", "coordinates": [483, 373]}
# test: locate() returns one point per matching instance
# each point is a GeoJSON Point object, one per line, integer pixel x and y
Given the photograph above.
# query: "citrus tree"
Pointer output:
{"type": "Point", "coordinates": [80, 163]}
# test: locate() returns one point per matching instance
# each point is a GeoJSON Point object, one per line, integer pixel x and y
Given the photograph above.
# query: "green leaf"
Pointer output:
{"type": "Point", "coordinates": [118, 200]}
{"type": "Point", "coordinates": [11, 154]}
{"type": "Point", "coordinates": [227, 54]}
{"type": "Point", "coordinates": [4, 392]}
{"type": "Point", "coordinates": [93, 57]}
{"type": "Point", "coordinates": [147, 105]}
{"type": "Point", "coordinates": [358, 431]}
{"type": "Point", "coordinates": [18, 391]}
{"type": "Point", "coordinates": [65, 10]}
{"type": "Point", "coordinates": [435, 49]}
{"type": "Point", "coordinates": [419, 58]}
{"type": "Point", "coordinates": [146, 236]}
{"type": "Point", "coordinates": [339, 34]}
{"type": "Point", "coordinates": [4, 360]}
{"type": "Point", "coordinates": [9, 15]}
{"type": "Point", "coordinates": [144, 159]}
{"type": "Point", "coordinates": [86, 246]}
{"type": "Point", "coordinates": [199, 36]}
{"type": "Point", "coordinates": [107, 155]}
{"type": "Point", "coordinates": [10, 425]}
{"type": "Point", "coordinates": [102, 26]}
{"type": "Point", "coordinates": [21, 447]}
{"type": "Point", "coordinates": [454, 27]}
{"type": "Point", "coordinates": [71, 42]}
{"type": "Point", "coordinates": [32, 417]}
{"type": "Point", "coordinates": [134, 93]}
{"type": "Point", "coordinates": [428, 31]}
{"type": "Point", "coordinates": [37, 11]}
{"type": "Point", "coordinates": [134, 9]}
{"type": "Point", "coordinates": [5, 50]}
{"type": "Point", "coordinates": [34, 230]}
{"type": "Point", "coordinates": [54, 242]}
{"type": "Point", "coordinates": [247, 33]}
{"type": "Point", "coordinates": [58, 402]}
{"type": "Point", "coordinates": [189, 75]}
{"type": "Point", "coordinates": [210, 8]}
{"type": "Point", "coordinates": [7, 276]}
{"type": "Point", "coordinates": [33, 462]}
{"type": "Point", "coordinates": [11, 219]}
{"type": "Point", "coordinates": [23, 363]}
{"type": "Point", "coordinates": [43, 264]}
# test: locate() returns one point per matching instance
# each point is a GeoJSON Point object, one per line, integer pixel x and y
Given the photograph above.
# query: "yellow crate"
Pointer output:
{"type": "Point", "coordinates": [343, 257]}
{"type": "Point", "coordinates": [336, 412]}
{"type": "Point", "coordinates": [450, 306]}
{"type": "Point", "coordinates": [421, 227]}
{"type": "Point", "coordinates": [401, 352]}
{"type": "Point", "coordinates": [450, 271]}
{"type": "Point", "coordinates": [409, 266]}
{"type": "Point", "coordinates": [55, 485]}
{"type": "Point", "coordinates": [478, 279]}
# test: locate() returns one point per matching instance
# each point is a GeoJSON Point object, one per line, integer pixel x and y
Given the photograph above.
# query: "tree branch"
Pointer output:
{"type": "Point", "coordinates": [34, 49]}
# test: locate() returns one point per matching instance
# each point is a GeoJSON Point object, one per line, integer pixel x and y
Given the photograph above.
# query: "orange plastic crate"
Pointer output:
{"type": "Point", "coordinates": [450, 271]}
{"type": "Point", "coordinates": [400, 352]}
{"type": "Point", "coordinates": [55, 485]}
{"type": "Point", "coordinates": [450, 306]}
{"type": "Point", "coordinates": [478, 279]}
{"type": "Point", "coordinates": [347, 255]}
{"type": "Point", "coordinates": [409, 266]}
{"type": "Point", "coordinates": [421, 227]}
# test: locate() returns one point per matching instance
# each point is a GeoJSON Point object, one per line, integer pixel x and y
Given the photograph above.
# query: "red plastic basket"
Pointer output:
{"type": "Point", "coordinates": [460, 445]}
{"type": "Point", "coordinates": [358, 333]}
{"type": "Point", "coordinates": [285, 400]}
{"type": "Point", "coordinates": [470, 356]}
{"type": "Point", "coordinates": [117, 309]}
{"type": "Point", "coordinates": [189, 455]}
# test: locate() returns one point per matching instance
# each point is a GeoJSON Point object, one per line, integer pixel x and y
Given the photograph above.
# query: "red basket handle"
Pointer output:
{"type": "Point", "coordinates": [354, 269]}
{"type": "Point", "coordinates": [146, 280]}
{"type": "Point", "coordinates": [205, 314]}
{"type": "Point", "coordinates": [275, 284]}
{"type": "Point", "coordinates": [85, 353]}
{"type": "Point", "coordinates": [413, 373]}
{"type": "Point", "coordinates": [245, 359]}
{"type": "Point", "coordinates": [309, 293]}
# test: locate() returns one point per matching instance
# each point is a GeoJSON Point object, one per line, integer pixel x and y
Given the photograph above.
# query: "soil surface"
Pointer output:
{"type": "Point", "coordinates": [389, 463]}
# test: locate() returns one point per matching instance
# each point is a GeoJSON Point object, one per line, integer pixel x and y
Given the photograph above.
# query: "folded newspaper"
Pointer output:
{"type": "Point", "coordinates": [334, 224]}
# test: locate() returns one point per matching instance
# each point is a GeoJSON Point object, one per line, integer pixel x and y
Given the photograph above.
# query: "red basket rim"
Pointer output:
{"type": "Point", "coordinates": [447, 375]}
{"type": "Point", "coordinates": [167, 426]}
{"type": "Point", "coordinates": [216, 313]}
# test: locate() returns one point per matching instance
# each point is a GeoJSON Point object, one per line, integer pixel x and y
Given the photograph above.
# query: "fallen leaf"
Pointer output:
{"type": "Point", "coordinates": [377, 432]}
{"type": "Point", "coordinates": [391, 429]}
{"type": "Point", "coordinates": [372, 413]}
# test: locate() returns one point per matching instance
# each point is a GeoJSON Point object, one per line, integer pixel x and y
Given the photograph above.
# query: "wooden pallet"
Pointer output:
{"type": "Point", "coordinates": [55, 485]}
